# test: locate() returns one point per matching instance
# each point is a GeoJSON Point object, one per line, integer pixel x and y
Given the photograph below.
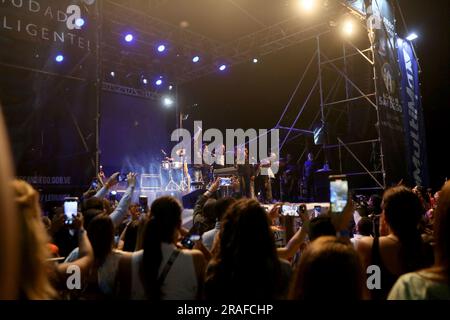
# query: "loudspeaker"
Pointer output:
{"type": "Point", "coordinates": [190, 199]}
{"type": "Point", "coordinates": [322, 186]}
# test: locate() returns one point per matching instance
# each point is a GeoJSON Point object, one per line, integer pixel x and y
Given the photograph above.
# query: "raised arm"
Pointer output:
{"type": "Point", "coordinates": [85, 252]}
{"type": "Point", "coordinates": [112, 181]}
{"type": "Point", "coordinates": [120, 212]}
{"type": "Point", "coordinates": [294, 244]}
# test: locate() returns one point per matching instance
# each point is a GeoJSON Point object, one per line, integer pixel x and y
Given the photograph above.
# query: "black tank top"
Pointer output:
{"type": "Point", "coordinates": [387, 278]}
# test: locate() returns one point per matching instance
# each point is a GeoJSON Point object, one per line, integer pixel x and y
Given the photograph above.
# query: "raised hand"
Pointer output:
{"type": "Point", "coordinates": [131, 179]}
{"type": "Point", "coordinates": [113, 180]}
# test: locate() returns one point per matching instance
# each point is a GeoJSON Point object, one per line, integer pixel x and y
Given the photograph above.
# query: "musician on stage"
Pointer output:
{"type": "Point", "coordinates": [308, 176]}
{"type": "Point", "coordinates": [289, 180]}
{"type": "Point", "coordinates": [264, 178]}
{"type": "Point", "coordinates": [246, 173]}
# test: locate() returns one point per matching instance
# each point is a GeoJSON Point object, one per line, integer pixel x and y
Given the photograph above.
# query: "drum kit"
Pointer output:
{"type": "Point", "coordinates": [178, 175]}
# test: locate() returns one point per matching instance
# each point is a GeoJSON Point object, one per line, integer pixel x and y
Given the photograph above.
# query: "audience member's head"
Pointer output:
{"type": "Point", "coordinates": [321, 226]}
{"type": "Point", "coordinates": [374, 204]}
{"type": "Point", "coordinates": [328, 270]}
{"type": "Point", "coordinates": [246, 264]}
{"type": "Point", "coordinates": [34, 281]}
{"type": "Point", "coordinates": [162, 227]}
{"type": "Point", "coordinates": [101, 235]}
{"type": "Point", "coordinates": [130, 237]}
{"type": "Point", "coordinates": [442, 231]}
{"type": "Point", "coordinates": [209, 210]}
{"type": "Point", "coordinates": [221, 206]}
{"type": "Point", "coordinates": [402, 213]}
{"type": "Point", "coordinates": [364, 226]}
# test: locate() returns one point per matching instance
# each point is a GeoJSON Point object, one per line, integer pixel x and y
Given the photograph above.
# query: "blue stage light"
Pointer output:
{"type": "Point", "coordinates": [129, 37]}
{"type": "Point", "coordinates": [79, 22]}
{"type": "Point", "coordinates": [222, 67]}
{"type": "Point", "coordinates": [59, 58]}
{"type": "Point", "coordinates": [161, 48]}
{"type": "Point", "coordinates": [196, 59]}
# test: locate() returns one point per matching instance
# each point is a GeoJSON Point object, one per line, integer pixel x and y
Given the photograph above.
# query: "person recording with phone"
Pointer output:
{"type": "Point", "coordinates": [119, 213]}
{"type": "Point", "coordinates": [203, 216]}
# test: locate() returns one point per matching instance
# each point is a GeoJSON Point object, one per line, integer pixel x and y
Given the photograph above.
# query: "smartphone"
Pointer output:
{"type": "Point", "coordinates": [338, 193]}
{"type": "Point", "coordinates": [225, 182]}
{"type": "Point", "coordinates": [143, 203]}
{"type": "Point", "coordinates": [70, 209]}
{"type": "Point", "coordinates": [189, 241]}
{"type": "Point", "coordinates": [290, 210]}
{"type": "Point", "coordinates": [317, 211]}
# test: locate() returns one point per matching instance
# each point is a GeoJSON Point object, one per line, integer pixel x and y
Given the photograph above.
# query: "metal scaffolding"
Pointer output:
{"type": "Point", "coordinates": [362, 97]}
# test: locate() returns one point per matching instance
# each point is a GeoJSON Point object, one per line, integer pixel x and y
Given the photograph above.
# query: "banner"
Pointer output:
{"type": "Point", "coordinates": [381, 20]}
{"type": "Point", "coordinates": [48, 71]}
{"type": "Point", "coordinates": [413, 115]}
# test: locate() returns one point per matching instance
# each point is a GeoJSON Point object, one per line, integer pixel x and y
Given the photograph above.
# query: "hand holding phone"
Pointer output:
{"type": "Point", "coordinates": [189, 241]}
{"type": "Point", "coordinates": [70, 210]}
{"type": "Point", "coordinates": [338, 193]}
{"type": "Point", "coordinates": [225, 182]}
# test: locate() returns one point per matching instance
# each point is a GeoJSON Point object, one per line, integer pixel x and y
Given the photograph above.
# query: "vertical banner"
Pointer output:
{"type": "Point", "coordinates": [413, 115]}
{"type": "Point", "coordinates": [382, 21]}
{"type": "Point", "coordinates": [48, 72]}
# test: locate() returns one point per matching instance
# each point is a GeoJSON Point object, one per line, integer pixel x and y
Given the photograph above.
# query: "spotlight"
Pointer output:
{"type": "Point", "coordinates": [79, 22]}
{"type": "Point", "coordinates": [59, 58]}
{"type": "Point", "coordinates": [255, 60]}
{"type": "Point", "coordinates": [113, 193]}
{"type": "Point", "coordinates": [196, 59]}
{"type": "Point", "coordinates": [158, 82]}
{"type": "Point", "coordinates": [307, 5]}
{"type": "Point", "coordinates": [222, 67]}
{"type": "Point", "coordinates": [167, 101]}
{"type": "Point", "coordinates": [161, 48]}
{"type": "Point", "coordinates": [170, 87]}
{"type": "Point", "coordinates": [412, 36]}
{"type": "Point", "coordinates": [144, 80]}
{"type": "Point", "coordinates": [113, 74]}
{"type": "Point", "coordinates": [129, 37]}
{"type": "Point", "coordinates": [348, 27]}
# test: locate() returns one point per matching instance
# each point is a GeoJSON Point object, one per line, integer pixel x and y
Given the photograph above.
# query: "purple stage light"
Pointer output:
{"type": "Point", "coordinates": [59, 58]}
{"type": "Point", "coordinates": [222, 67]}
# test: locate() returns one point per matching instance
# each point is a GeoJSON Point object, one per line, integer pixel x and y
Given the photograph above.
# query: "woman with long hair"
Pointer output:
{"type": "Point", "coordinates": [32, 245]}
{"type": "Point", "coordinates": [9, 255]}
{"type": "Point", "coordinates": [162, 271]}
{"type": "Point", "coordinates": [246, 263]}
{"type": "Point", "coordinates": [431, 283]}
{"type": "Point", "coordinates": [34, 268]}
{"type": "Point", "coordinates": [400, 248]}
{"type": "Point", "coordinates": [329, 269]}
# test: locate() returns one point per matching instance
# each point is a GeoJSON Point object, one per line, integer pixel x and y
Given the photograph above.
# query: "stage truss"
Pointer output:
{"type": "Point", "coordinates": [118, 15]}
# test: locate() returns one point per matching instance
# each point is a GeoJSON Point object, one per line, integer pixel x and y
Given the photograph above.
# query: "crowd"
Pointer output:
{"type": "Point", "coordinates": [232, 252]}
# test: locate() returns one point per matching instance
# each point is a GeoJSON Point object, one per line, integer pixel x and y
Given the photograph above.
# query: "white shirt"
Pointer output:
{"type": "Point", "coordinates": [180, 283]}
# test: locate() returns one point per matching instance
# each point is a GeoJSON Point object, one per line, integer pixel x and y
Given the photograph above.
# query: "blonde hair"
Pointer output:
{"type": "Point", "coordinates": [34, 272]}
{"type": "Point", "coordinates": [8, 223]}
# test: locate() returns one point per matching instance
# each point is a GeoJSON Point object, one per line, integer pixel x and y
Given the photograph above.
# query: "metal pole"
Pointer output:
{"type": "Point", "coordinates": [98, 84]}
{"type": "Point", "coordinates": [378, 125]}
{"type": "Point", "coordinates": [320, 80]}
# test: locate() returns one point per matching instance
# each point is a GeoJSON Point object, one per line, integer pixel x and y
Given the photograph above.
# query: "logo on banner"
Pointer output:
{"type": "Point", "coordinates": [388, 78]}
{"type": "Point", "coordinates": [412, 114]}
